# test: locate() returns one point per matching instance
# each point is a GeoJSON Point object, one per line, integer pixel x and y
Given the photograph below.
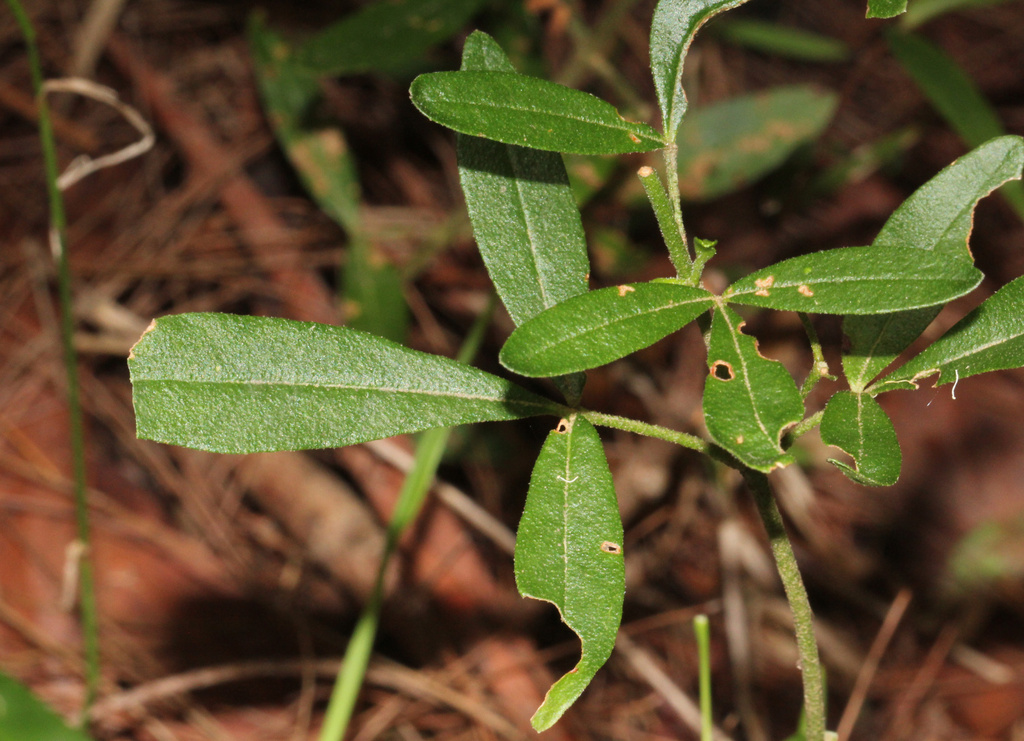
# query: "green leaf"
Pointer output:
{"type": "Point", "coordinates": [24, 717]}
{"type": "Point", "coordinates": [939, 215]}
{"type": "Point", "coordinates": [517, 109]}
{"type": "Point", "coordinates": [321, 157]}
{"type": "Point", "coordinates": [784, 41]}
{"type": "Point", "coordinates": [858, 280]}
{"type": "Point", "coordinates": [955, 96]}
{"type": "Point", "coordinates": [373, 293]}
{"type": "Point", "coordinates": [858, 425]}
{"type": "Point", "coordinates": [524, 216]}
{"type": "Point", "coordinates": [235, 384]}
{"type": "Point", "coordinates": [886, 8]}
{"type": "Point", "coordinates": [989, 338]}
{"type": "Point", "coordinates": [922, 11]}
{"type": "Point", "coordinates": [724, 146]}
{"type": "Point", "coordinates": [601, 326]}
{"type": "Point", "coordinates": [877, 340]}
{"type": "Point", "coordinates": [919, 258]}
{"type": "Point", "coordinates": [749, 400]}
{"type": "Point", "coordinates": [386, 36]}
{"type": "Point", "coordinates": [569, 552]}
{"type": "Point", "coordinates": [371, 288]}
{"type": "Point", "coordinates": [673, 27]}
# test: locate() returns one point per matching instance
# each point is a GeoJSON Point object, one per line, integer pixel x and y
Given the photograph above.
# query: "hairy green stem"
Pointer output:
{"type": "Point", "coordinates": [671, 154]}
{"type": "Point", "coordinates": [806, 425]}
{"type": "Point", "coordinates": [665, 213]}
{"type": "Point", "coordinates": [796, 594]}
{"type": "Point", "coordinates": [643, 428]}
{"type": "Point", "coordinates": [819, 366]}
{"type": "Point", "coordinates": [58, 228]}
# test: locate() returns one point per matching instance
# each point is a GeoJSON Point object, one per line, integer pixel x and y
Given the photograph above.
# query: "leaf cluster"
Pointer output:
{"type": "Point", "coordinates": [243, 384]}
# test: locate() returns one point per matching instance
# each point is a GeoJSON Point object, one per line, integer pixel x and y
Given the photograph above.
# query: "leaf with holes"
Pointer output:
{"type": "Point", "coordinates": [989, 338]}
{"type": "Point", "coordinates": [530, 112]}
{"type": "Point", "coordinates": [673, 27]}
{"type": "Point", "coordinates": [237, 384]}
{"type": "Point", "coordinates": [749, 400]}
{"type": "Point", "coordinates": [858, 425]}
{"type": "Point", "coordinates": [569, 552]}
{"type": "Point", "coordinates": [601, 326]}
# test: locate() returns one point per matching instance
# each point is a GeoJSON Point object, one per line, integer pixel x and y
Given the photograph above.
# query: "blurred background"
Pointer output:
{"type": "Point", "coordinates": [328, 197]}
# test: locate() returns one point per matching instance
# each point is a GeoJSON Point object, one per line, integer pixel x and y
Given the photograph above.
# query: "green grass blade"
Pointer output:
{"type": "Point", "coordinates": [601, 326]}
{"type": "Point", "coordinates": [429, 450]}
{"type": "Point", "coordinates": [238, 384]}
{"type": "Point", "coordinates": [530, 112]}
{"type": "Point", "coordinates": [673, 27]}
{"type": "Point", "coordinates": [88, 610]}
{"type": "Point", "coordinates": [749, 400]}
{"type": "Point", "coordinates": [385, 36]}
{"type": "Point", "coordinates": [783, 41]}
{"type": "Point", "coordinates": [955, 96]}
{"type": "Point", "coordinates": [569, 552]}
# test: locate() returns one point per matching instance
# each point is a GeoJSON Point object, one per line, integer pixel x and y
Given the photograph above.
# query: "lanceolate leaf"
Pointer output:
{"type": "Point", "coordinates": [673, 27]}
{"type": "Point", "coordinates": [989, 338]}
{"type": "Point", "coordinates": [235, 384]}
{"type": "Point", "coordinates": [920, 257]}
{"type": "Point", "coordinates": [749, 400]}
{"type": "Point", "coordinates": [858, 280]}
{"type": "Point", "coordinates": [726, 145]}
{"type": "Point", "coordinates": [569, 552]}
{"type": "Point", "coordinates": [517, 109]}
{"type": "Point", "coordinates": [524, 216]}
{"type": "Point", "coordinates": [601, 326]}
{"type": "Point", "coordinates": [939, 215]}
{"type": "Point", "coordinates": [386, 36]}
{"type": "Point", "coordinates": [877, 340]}
{"type": "Point", "coordinates": [858, 425]}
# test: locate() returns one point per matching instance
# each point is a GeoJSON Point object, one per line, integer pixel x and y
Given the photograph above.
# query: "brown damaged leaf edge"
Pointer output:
{"type": "Point", "coordinates": [150, 328]}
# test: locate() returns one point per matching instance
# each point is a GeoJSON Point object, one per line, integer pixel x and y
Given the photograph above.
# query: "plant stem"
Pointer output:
{"type": "Point", "coordinates": [796, 594]}
{"type": "Point", "coordinates": [806, 426]}
{"type": "Point", "coordinates": [703, 634]}
{"type": "Point", "coordinates": [671, 151]}
{"type": "Point", "coordinates": [643, 428]}
{"type": "Point", "coordinates": [58, 228]}
{"type": "Point", "coordinates": [665, 213]}
{"type": "Point", "coordinates": [819, 366]}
